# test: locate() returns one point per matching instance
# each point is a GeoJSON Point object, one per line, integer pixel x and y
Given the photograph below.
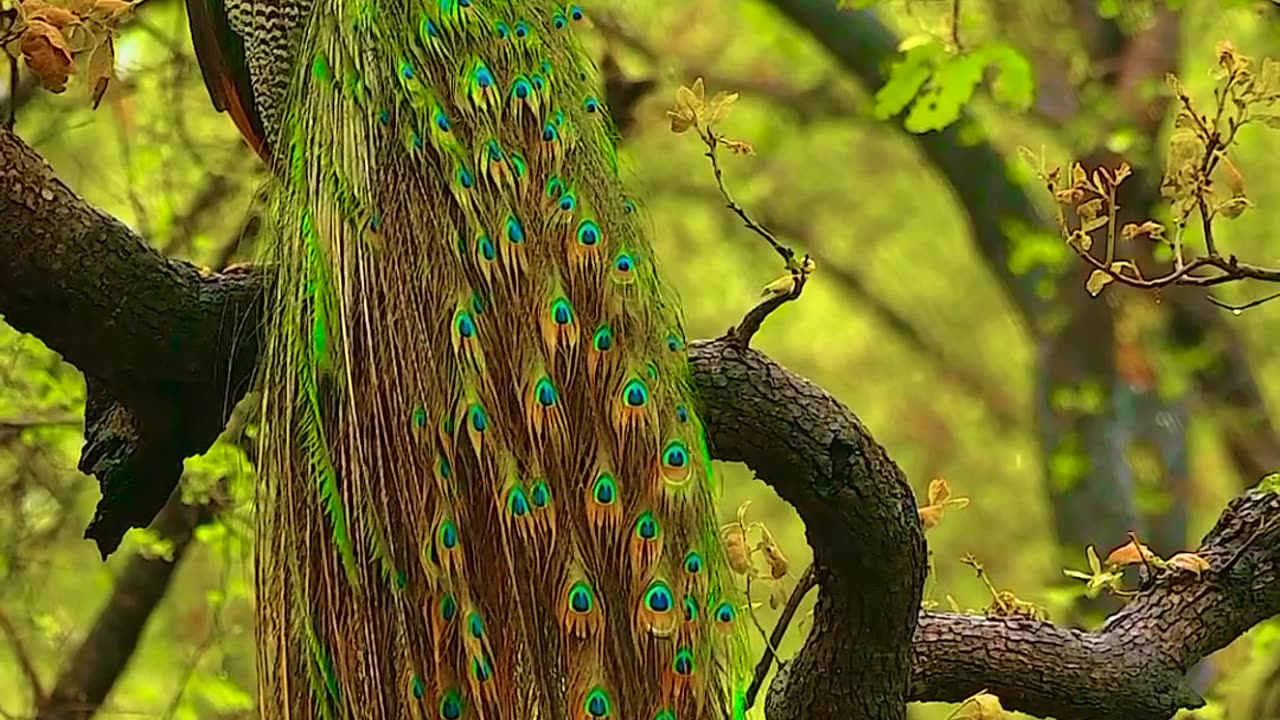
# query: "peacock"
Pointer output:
{"type": "Point", "coordinates": [485, 488]}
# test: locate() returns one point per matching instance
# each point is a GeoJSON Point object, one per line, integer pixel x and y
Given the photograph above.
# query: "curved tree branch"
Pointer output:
{"type": "Point", "coordinates": [166, 348]}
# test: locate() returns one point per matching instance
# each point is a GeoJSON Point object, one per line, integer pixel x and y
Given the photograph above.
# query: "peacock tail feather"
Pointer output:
{"type": "Point", "coordinates": [487, 492]}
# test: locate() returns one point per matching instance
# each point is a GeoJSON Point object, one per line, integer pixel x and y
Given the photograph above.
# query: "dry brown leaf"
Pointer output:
{"type": "Point", "coordinates": [46, 52]}
{"type": "Point", "coordinates": [1189, 562]}
{"type": "Point", "coordinates": [1130, 553]}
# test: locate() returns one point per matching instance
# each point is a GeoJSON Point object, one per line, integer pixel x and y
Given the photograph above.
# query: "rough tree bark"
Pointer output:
{"type": "Point", "coordinates": [166, 349]}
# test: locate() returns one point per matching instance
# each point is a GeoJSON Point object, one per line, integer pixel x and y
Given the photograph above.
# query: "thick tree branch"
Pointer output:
{"type": "Point", "coordinates": [171, 341]}
{"type": "Point", "coordinates": [1135, 667]}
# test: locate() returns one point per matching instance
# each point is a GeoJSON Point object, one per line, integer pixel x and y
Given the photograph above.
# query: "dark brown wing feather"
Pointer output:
{"type": "Point", "coordinates": [220, 52]}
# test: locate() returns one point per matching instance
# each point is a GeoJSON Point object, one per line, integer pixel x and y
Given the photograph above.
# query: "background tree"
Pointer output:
{"type": "Point", "coordinates": [1025, 376]}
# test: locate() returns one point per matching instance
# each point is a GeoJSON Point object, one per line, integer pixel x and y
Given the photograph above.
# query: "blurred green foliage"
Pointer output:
{"type": "Point", "coordinates": [828, 176]}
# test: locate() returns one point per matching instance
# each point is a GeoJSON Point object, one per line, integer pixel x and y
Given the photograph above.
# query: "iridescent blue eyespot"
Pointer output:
{"type": "Point", "coordinates": [465, 179]}
{"type": "Point", "coordinates": [603, 339]}
{"type": "Point", "coordinates": [647, 526]}
{"type": "Point", "coordinates": [416, 687]}
{"type": "Point", "coordinates": [515, 231]}
{"type": "Point", "coordinates": [521, 89]}
{"type": "Point", "coordinates": [484, 78]}
{"type": "Point", "coordinates": [588, 232]}
{"type": "Point", "coordinates": [559, 22]}
{"type": "Point", "coordinates": [479, 420]}
{"type": "Point", "coordinates": [623, 263]}
{"type": "Point", "coordinates": [682, 413]}
{"type": "Point", "coordinates": [482, 668]}
{"type": "Point", "coordinates": [518, 503]}
{"type": "Point", "coordinates": [575, 12]}
{"type": "Point", "coordinates": [561, 312]}
{"type": "Point", "coordinates": [466, 326]}
{"type": "Point", "coordinates": [451, 706]}
{"type": "Point", "coordinates": [384, 117]}
{"type": "Point", "coordinates": [442, 121]}
{"type": "Point", "coordinates": [487, 250]}
{"type": "Point", "coordinates": [541, 494]}
{"type": "Point", "coordinates": [546, 392]}
{"type": "Point", "coordinates": [597, 704]}
{"type": "Point", "coordinates": [724, 612]}
{"type": "Point", "coordinates": [522, 30]}
{"type": "Point", "coordinates": [503, 31]}
{"type": "Point", "coordinates": [675, 455]}
{"type": "Point", "coordinates": [604, 490]}
{"type": "Point", "coordinates": [448, 535]}
{"type": "Point", "coordinates": [690, 608]}
{"type": "Point", "coordinates": [420, 417]}
{"type": "Point", "coordinates": [549, 132]}
{"type": "Point", "coordinates": [693, 563]}
{"type": "Point", "coordinates": [635, 393]}
{"type": "Point", "coordinates": [580, 598]}
{"type": "Point", "coordinates": [538, 83]}
{"type": "Point", "coordinates": [658, 597]}
{"type": "Point", "coordinates": [683, 663]}
{"type": "Point", "coordinates": [591, 105]}
{"type": "Point", "coordinates": [475, 624]}
{"type": "Point", "coordinates": [448, 608]}
{"type": "Point", "coordinates": [567, 202]}
{"type": "Point", "coordinates": [673, 343]}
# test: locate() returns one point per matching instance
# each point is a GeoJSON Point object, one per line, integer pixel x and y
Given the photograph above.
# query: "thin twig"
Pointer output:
{"type": "Point", "coordinates": [1237, 309]}
{"type": "Point", "coordinates": [808, 580]}
{"type": "Point", "coordinates": [23, 658]}
{"type": "Point", "coordinates": [713, 141]}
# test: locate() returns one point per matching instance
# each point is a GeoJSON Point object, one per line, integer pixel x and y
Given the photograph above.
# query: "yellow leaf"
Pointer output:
{"type": "Point", "coordinates": [1130, 553]}
{"type": "Point", "coordinates": [784, 285]}
{"type": "Point", "coordinates": [930, 515]}
{"type": "Point", "coordinates": [102, 65]}
{"type": "Point", "coordinates": [1098, 279]}
{"type": "Point", "coordinates": [939, 491]}
{"type": "Point", "coordinates": [982, 706]}
{"type": "Point", "coordinates": [735, 546]}
{"type": "Point", "coordinates": [1234, 207]}
{"type": "Point", "coordinates": [720, 105]}
{"type": "Point", "coordinates": [1150, 228]}
{"type": "Point", "coordinates": [1189, 562]}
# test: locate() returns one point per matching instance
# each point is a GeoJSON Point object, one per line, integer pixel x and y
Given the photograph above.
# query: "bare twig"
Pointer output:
{"type": "Point", "coordinates": [23, 657]}
{"type": "Point", "coordinates": [807, 582]}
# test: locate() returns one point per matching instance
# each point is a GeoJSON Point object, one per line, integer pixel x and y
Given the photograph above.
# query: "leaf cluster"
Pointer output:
{"type": "Point", "coordinates": [48, 35]}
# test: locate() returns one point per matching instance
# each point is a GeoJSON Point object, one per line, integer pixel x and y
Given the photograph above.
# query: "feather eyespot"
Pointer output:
{"type": "Point", "coordinates": [515, 231]}
{"type": "Point", "coordinates": [658, 597]}
{"type": "Point", "coordinates": [604, 491]}
{"type": "Point", "coordinates": [561, 312]}
{"type": "Point", "coordinates": [647, 527]}
{"type": "Point", "coordinates": [541, 494]}
{"type": "Point", "coordinates": [588, 233]}
{"type": "Point", "coordinates": [451, 705]}
{"type": "Point", "coordinates": [448, 535]}
{"type": "Point", "coordinates": [580, 598]}
{"type": "Point", "coordinates": [683, 662]}
{"type": "Point", "coordinates": [482, 668]}
{"type": "Point", "coordinates": [479, 419]}
{"type": "Point", "coordinates": [603, 339]}
{"type": "Point", "coordinates": [518, 502]}
{"type": "Point", "coordinates": [635, 393]}
{"type": "Point", "coordinates": [693, 563]}
{"type": "Point", "coordinates": [546, 393]}
{"type": "Point", "coordinates": [597, 703]}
